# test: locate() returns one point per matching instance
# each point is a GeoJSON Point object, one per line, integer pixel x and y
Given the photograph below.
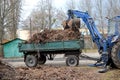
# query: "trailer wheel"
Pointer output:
{"type": "Point", "coordinates": [42, 59]}
{"type": "Point", "coordinates": [72, 60]}
{"type": "Point", "coordinates": [115, 55]}
{"type": "Point", "coordinates": [31, 60]}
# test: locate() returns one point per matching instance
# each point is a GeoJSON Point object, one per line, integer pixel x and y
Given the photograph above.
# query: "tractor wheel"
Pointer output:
{"type": "Point", "coordinates": [31, 60]}
{"type": "Point", "coordinates": [115, 55]}
{"type": "Point", "coordinates": [72, 60]}
{"type": "Point", "coordinates": [42, 59]}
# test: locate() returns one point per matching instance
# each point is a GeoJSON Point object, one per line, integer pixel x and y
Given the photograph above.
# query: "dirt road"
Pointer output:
{"type": "Point", "coordinates": [59, 60]}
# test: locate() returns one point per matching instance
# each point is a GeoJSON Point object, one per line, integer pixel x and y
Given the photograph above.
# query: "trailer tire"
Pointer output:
{"type": "Point", "coordinates": [115, 55]}
{"type": "Point", "coordinates": [42, 59]}
{"type": "Point", "coordinates": [31, 60]}
{"type": "Point", "coordinates": [72, 60]}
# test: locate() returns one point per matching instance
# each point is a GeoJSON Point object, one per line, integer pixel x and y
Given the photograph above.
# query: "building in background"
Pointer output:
{"type": "Point", "coordinates": [23, 34]}
{"type": "Point", "coordinates": [11, 50]}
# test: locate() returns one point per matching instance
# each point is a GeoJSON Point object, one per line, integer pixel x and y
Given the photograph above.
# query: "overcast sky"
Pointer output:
{"type": "Point", "coordinates": [29, 5]}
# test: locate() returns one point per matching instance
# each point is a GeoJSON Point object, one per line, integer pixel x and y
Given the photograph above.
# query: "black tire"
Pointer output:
{"type": "Point", "coordinates": [72, 60]}
{"type": "Point", "coordinates": [31, 60]}
{"type": "Point", "coordinates": [115, 55]}
{"type": "Point", "coordinates": [42, 59]}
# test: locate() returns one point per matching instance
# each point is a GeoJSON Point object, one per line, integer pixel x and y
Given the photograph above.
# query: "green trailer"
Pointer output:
{"type": "Point", "coordinates": [38, 53]}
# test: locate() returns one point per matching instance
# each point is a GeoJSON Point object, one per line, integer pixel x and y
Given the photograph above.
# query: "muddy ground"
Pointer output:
{"type": "Point", "coordinates": [51, 72]}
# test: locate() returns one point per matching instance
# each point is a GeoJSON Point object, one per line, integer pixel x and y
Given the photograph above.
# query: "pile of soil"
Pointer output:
{"type": "Point", "coordinates": [49, 72]}
{"type": "Point", "coordinates": [7, 72]}
{"type": "Point", "coordinates": [54, 35]}
{"type": "Point", "coordinates": [69, 33]}
{"type": "Point", "coordinates": [57, 73]}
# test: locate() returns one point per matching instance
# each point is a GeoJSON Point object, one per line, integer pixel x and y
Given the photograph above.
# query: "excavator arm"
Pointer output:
{"type": "Point", "coordinates": [95, 34]}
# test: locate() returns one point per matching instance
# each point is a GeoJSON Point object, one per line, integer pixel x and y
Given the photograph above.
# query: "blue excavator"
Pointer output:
{"type": "Point", "coordinates": [109, 47]}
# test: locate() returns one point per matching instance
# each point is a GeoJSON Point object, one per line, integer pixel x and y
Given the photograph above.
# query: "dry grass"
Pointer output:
{"type": "Point", "coordinates": [90, 50]}
{"type": "Point", "coordinates": [112, 75]}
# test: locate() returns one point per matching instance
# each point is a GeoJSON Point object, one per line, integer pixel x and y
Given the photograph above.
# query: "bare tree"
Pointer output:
{"type": "Point", "coordinates": [43, 16]}
{"type": "Point", "coordinates": [110, 10]}
{"type": "Point", "coordinates": [85, 5]}
{"type": "Point", "coordinates": [49, 9]}
{"type": "Point", "coordinates": [8, 9]}
{"type": "Point", "coordinates": [100, 16]}
{"type": "Point", "coordinates": [38, 17]}
{"type": "Point", "coordinates": [60, 17]}
{"type": "Point", "coordinates": [70, 4]}
{"type": "Point", "coordinates": [113, 8]}
{"type": "Point", "coordinates": [39, 20]}
{"type": "Point", "coordinates": [15, 17]}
